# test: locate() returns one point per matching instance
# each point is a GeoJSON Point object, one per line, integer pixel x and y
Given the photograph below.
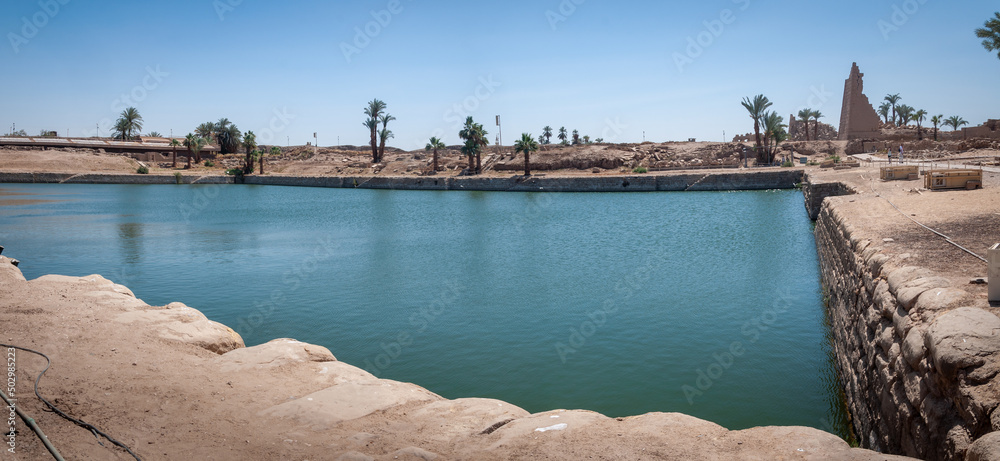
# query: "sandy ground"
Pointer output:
{"type": "Point", "coordinates": [969, 218]}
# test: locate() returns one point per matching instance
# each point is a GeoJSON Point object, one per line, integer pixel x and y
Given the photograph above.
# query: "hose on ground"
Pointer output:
{"type": "Point", "coordinates": [90, 427]}
{"type": "Point", "coordinates": [34, 427]}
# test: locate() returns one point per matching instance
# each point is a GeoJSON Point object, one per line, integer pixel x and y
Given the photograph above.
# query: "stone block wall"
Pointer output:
{"type": "Point", "coordinates": [917, 365]}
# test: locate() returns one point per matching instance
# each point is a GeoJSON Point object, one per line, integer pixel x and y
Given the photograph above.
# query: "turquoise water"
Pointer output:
{"type": "Point", "coordinates": [707, 304]}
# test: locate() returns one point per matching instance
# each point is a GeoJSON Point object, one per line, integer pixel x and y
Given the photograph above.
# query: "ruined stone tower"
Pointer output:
{"type": "Point", "coordinates": [858, 118]}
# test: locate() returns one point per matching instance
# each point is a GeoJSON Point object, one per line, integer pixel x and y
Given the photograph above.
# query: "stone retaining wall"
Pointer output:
{"type": "Point", "coordinates": [918, 367]}
{"type": "Point", "coordinates": [816, 192]}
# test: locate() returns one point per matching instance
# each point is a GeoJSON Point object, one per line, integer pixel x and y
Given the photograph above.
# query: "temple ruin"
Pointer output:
{"type": "Point", "coordinates": [858, 119]}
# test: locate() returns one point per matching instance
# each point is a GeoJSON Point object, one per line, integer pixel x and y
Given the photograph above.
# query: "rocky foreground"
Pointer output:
{"type": "Point", "coordinates": [171, 384]}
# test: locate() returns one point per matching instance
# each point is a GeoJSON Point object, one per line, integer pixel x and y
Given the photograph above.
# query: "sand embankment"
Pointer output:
{"type": "Point", "coordinates": [172, 384]}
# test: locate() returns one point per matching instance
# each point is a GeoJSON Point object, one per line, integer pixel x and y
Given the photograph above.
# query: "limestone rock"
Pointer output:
{"type": "Point", "coordinates": [908, 293]}
{"type": "Point", "coordinates": [275, 353]}
{"type": "Point", "coordinates": [940, 299]}
{"type": "Point", "coordinates": [900, 277]}
{"type": "Point", "coordinates": [350, 400]}
{"type": "Point", "coordinates": [913, 348]}
{"type": "Point", "coordinates": [987, 448]}
{"type": "Point", "coordinates": [962, 338]}
{"type": "Point", "coordinates": [182, 323]}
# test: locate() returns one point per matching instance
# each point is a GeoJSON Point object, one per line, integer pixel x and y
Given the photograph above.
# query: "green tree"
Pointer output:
{"type": "Point", "coordinates": [527, 145]}
{"type": "Point", "coordinates": [774, 130]}
{"type": "Point", "coordinates": [374, 111]}
{"type": "Point", "coordinates": [547, 134]}
{"type": "Point", "coordinates": [384, 133]}
{"type": "Point", "coordinates": [174, 144]}
{"type": "Point", "coordinates": [586, 139]}
{"type": "Point", "coordinates": [990, 34]}
{"type": "Point", "coordinates": [435, 145]}
{"type": "Point", "coordinates": [475, 139]}
{"type": "Point", "coordinates": [883, 111]}
{"type": "Point", "coordinates": [205, 130]}
{"type": "Point", "coordinates": [905, 114]}
{"type": "Point", "coordinates": [955, 122]}
{"type": "Point", "coordinates": [250, 144]}
{"type": "Point", "coordinates": [154, 134]}
{"type": "Point", "coordinates": [919, 116]}
{"type": "Point", "coordinates": [576, 137]}
{"type": "Point", "coordinates": [563, 136]}
{"type": "Point", "coordinates": [816, 115]}
{"type": "Point", "coordinates": [804, 116]}
{"type": "Point", "coordinates": [190, 141]}
{"type": "Point", "coordinates": [893, 100]}
{"type": "Point", "coordinates": [129, 124]}
{"type": "Point", "coordinates": [757, 107]}
{"type": "Point", "coordinates": [937, 120]}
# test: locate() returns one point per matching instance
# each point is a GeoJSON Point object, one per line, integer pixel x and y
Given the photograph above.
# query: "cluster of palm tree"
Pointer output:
{"type": "Point", "coordinates": [564, 137]}
{"type": "Point", "coordinates": [475, 139]}
{"type": "Point", "coordinates": [194, 145]}
{"type": "Point", "coordinates": [128, 126]}
{"type": "Point", "coordinates": [808, 114]}
{"type": "Point", "coordinates": [250, 145]}
{"type": "Point", "coordinates": [773, 124]}
{"type": "Point", "coordinates": [223, 132]}
{"type": "Point", "coordinates": [902, 115]}
{"type": "Point", "coordinates": [377, 115]}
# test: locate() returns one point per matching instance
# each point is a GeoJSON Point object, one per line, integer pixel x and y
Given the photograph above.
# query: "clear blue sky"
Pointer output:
{"type": "Point", "coordinates": [608, 69]}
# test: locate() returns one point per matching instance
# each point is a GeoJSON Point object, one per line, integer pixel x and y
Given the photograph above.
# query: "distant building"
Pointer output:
{"type": "Point", "coordinates": [858, 119]}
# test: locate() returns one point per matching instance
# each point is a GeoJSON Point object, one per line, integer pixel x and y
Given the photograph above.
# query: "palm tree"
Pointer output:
{"type": "Point", "coordinates": [936, 120]}
{"type": "Point", "coordinates": [205, 130]}
{"type": "Point", "coordinates": [527, 145]}
{"type": "Point", "coordinates": [547, 134]}
{"type": "Point", "coordinates": [189, 142]}
{"type": "Point", "coordinates": [805, 115]}
{"type": "Point", "coordinates": [893, 100]}
{"type": "Point", "coordinates": [129, 124]}
{"type": "Point", "coordinates": [576, 137]}
{"type": "Point", "coordinates": [154, 134]}
{"type": "Point", "coordinates": [955, 121]}
{"type": "Point", "coordinates": [816, 115]}
{"type": "Point", "coordinates": [586, 139]}
{"type": "Point", "coordinates": [475, 139]}
{"type": "Point", "coordinates": [991, 34]}
{"type": "Point", "coordinates": [374, 111]}
{"type": "Point", "coordinates": [250, 144]}
{"type": "Point", "coordinates": [756, 108]}
{"type": "Point", "coordinates": [385, 133]}
{"type": "Point", "coordinates": [541, 139]}
{"type": "Point", "coordinates": [229, 138]}
{"type": "Point", "coordinates": [435, 144]}
{"type": "Point", "coordinates": [174, 144]}
{"type": "Point", "coordinates": [883, 110]}
{"type": "Point", "coordinates": [563, 136]}
{"type": "Point", "coordinates": [773, 127]}
{"type": "Point", "coordinates": [905, 114]}
{"type": "Point", "coordinates": [919, 116]}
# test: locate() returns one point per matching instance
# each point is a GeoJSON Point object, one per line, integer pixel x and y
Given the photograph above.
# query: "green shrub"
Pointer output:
{"type": "Point", "coordinates": [234, 172]}
{"type": "Point", "coordinates": [142, 170]}
{"type": "Point", "coordinates": [787, 165]}
{"type": "Point", "coordinates": [835, 158]}
{"type": "Point", "coordinates": [178, 177]}
{"type": "Point", "coordinates": [209, 163]}
{"type": "Point", "coordinates": [640, 170]}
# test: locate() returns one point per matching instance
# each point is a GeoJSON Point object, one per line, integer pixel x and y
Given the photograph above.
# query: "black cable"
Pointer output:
{"type": "Point", "coordinates": [94, 430]}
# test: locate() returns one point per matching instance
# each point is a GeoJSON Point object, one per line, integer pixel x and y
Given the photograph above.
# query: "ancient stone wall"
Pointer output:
{"type": "Point", "coordinates": [858, 118]}
{"type": "Point", "coordinates": [917, 367]}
